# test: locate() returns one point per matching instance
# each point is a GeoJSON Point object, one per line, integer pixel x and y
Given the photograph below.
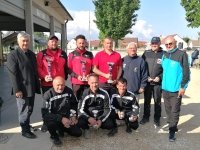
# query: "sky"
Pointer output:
{"type": "Point", "coordinates": [155, 18]}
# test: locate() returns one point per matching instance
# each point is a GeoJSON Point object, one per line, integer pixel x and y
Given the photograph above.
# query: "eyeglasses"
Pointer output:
{"type": "Point", "coordinates": [168, 44]}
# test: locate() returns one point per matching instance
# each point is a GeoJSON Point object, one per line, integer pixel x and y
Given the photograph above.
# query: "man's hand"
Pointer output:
{"type": "Point", "coordinates": [141, 90]}
{"type": "Point", "coordinates": [46, 78]}
{"type": "Point", "coordinates": [73, 120]}
{"type": "Point", "coordinates": [99, 122]}
{"type": "Point", "coordinates": [149, 79]}
{"type": "Point", "coordinates": [157, 79]}
{"type": "Point", "coordinates": [79, 78]}
{"type": "Point", "coordinates": [114, 82]}
{"type": "Point", "coordinates": [119, 114]}
{"type": "Point", "coordinates": [134, 118]}
{"type": "Point", "coordinates": [92, 121]}
{"type": "Point", "coordinates": [181, 92]}
{"type": "Point", "coordinates": [108, 76]}
{"type": "Point", "coordinates": [19, 94]}
{"type": "Point", "coordinates": [66, 122]}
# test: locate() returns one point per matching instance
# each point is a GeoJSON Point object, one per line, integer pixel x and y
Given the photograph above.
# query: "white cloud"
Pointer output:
{"type": "Point", "coordinates": [80, 25]}
{"type": "Point", "coordinates": [141, 29]}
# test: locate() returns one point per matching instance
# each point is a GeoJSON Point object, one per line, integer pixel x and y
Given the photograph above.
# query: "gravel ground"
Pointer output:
{"type": "Point", "coordinates": [147, 136]}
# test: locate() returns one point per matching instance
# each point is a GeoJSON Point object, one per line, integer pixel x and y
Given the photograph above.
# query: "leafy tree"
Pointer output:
{"type": "Point", "coordinates": [186, 39]}
{"type": "Point", "coordinates": [115, 18]}
{"type": "Point", "coordinates": [192, 8]}
{"type": "Point", "coordinates": [41, 35]}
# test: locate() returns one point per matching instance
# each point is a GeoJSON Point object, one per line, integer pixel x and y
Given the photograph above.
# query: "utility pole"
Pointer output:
{"type": "Point", "coordinates": [89, 27]}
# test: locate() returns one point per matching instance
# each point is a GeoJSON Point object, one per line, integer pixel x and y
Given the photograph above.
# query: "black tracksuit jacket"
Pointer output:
{"type": "Point", "coordinates": [56, 105]}
{"type": "Point", "coordinates": [154, 61]}
{"type": "Point", "coordinates": [125, 103]}
{"type": "Point", "coordinates": [99, 101]}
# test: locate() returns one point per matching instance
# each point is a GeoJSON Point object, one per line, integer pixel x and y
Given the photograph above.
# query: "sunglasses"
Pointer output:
{"type": "Point", "coordinates": [168, 44]}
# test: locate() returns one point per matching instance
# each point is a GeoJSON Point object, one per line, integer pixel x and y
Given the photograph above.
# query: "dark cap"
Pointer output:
{"type": "Point", "coordinates": [52, 36]}
{"type": "Point", "coordinates": [155, 40]}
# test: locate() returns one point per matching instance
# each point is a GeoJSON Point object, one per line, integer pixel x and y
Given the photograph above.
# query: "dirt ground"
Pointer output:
{"type": "Point", "coordinates": [148, 137]}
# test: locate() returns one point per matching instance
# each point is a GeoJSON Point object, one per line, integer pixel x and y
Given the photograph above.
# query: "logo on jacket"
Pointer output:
{"type": "Point", "coordinates": [159, 61]}
{"type": "Point", "coordinates": [135, 69]}
{"type": "Point", "coordinates": [172, 64]}
{"type": "Point", "coordinates": [124, 65]}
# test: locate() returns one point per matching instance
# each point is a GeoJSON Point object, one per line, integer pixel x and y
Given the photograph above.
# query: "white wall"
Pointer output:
{"type": "Point", "coordinates": [71, 44]}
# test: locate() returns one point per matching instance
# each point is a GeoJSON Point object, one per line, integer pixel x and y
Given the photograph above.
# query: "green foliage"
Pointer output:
{"type": "Point", "coordinates": [115, 18]}
{"type": "Point", "coordinates": [192, 8]}
{"type": "Point", "coordinates": [41, 35]}
{"type": "Point", "coordinates": [186, 39]}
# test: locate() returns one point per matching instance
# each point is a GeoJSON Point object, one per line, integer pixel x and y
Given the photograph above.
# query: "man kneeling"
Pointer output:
{"type": "Point", "coordinates": [125, 107]}
{"type": "Point", "coordinates": [94, 108]}
{"type": "Point", "coordinates": [59, 112]}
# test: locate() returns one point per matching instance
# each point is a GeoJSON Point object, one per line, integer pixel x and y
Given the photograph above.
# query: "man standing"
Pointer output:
{"type": "Point", "coordinates": [153, 59]}
{"type": "Point", "coordinates": [101, 67]}
{"type": "Point", "coordinates": [51, 62]}
{"type": "Point", "coordinates": [22, 70]}
{"type": "Point", "coordinates": [80, 65]}
{"type": "Point", "coordinates": [59, 111]}
{"type": "Point", "coordinates": [134, 71]}
{"type": "Point", "coordinates": [125, 107]}
{"type": "Point", "coordinates": [94, 108]}
{"type": "Point", "coordinates": [175, 81]}
{"type": "Point", "coordinates": [194, 56]}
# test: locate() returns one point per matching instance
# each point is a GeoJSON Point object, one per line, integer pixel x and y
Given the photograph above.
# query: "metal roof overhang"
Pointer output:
{"type": "Point", "coordinates": [11, 23]}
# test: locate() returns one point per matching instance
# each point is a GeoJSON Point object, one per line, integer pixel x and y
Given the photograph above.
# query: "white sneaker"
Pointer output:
{"type": "Point", "coordinates": [87, 133]}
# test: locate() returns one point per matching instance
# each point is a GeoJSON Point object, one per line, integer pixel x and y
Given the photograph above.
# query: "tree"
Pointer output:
{"type": "Point", "coordinates": [192, 8]}
{"type": "Point", "coordinates": [186, 39]}
{"type": "Point", "coordinates": [115, 18]}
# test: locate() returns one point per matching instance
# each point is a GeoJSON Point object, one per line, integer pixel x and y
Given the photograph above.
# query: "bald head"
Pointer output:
{"type": "Point", "coordinates": [58, 84]}
{"type": "Point", "coordinates": [170, 43]}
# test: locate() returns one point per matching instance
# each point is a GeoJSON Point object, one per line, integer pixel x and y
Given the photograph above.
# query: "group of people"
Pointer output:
{"type": "Point", "coordinates": [105, 88]}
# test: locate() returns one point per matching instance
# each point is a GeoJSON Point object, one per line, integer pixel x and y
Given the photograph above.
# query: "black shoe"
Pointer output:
{"type": "Point", "coordinates": [60, 134]}
{"type": "Point", "coordinates": [172, 136]}
{"type": "Point", "coordinates": [157, 122]}
{"type": "Point", "coordinates": [44, 128]}
{"type": "Point", "coordinates": [56, 141]}
{"type": "Point", "coordinates": [144, 121]}
{"type": "Point", "coordinates": [128, 129]}
{"type": "Point", "coordinates": [112, 132]}
{"type": "Point", "coordinates": [29, 135]}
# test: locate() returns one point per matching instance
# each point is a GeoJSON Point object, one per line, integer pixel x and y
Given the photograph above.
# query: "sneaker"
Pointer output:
{"type": "Point", "coordinates": [157, 122]}
{"type": "Point", "coordinates": [166, 128]}
{"type": "Point", "coordinates": [100, 132]}
{"type": "Point", "coordinates": [56, 141]}
{"type": "Point", "coordinates": [144, 121]}
{"type": "Point", "coordinates": [112, 132]}
{"type": "Point", "coordinates": [172, 136]}
{"type": "Point", "coordinates": [128, 129]}
{"type": "Point", "coordinates": [44, 128]}
{"type": "Point", "coordinates": [87, 133]}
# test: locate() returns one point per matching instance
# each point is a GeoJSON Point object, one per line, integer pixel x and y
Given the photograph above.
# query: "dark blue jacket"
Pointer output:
{"type": "Point", "coordinates": [135, 72]}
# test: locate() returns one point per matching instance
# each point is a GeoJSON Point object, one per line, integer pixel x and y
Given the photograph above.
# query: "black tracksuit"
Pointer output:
{"type": "Point", "coordinates": [55, 107]}
{"type": "Point", "coordinates": [89, 102]}
{"type": "Point", "coordinates": [125, 104]}
{"type": "Point", "coordinates": [153, 61]}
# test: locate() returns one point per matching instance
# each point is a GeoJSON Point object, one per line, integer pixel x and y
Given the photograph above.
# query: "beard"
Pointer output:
{"type": "Point", "coordinates": [54, 48]}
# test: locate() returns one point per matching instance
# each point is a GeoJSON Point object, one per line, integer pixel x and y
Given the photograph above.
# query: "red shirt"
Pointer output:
{"type": "Point", "coordinates": [75, 65]}
{"type": "Point", "coordinates": [57, 66]}
{"type": "Point", "coordinates": [102, 58]}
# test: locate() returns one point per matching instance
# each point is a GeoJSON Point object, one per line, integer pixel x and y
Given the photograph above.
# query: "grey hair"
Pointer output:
{"type": "Point", "coordinates": [130, 44]}
{"type": "Point", "coordinates": [22, 34]}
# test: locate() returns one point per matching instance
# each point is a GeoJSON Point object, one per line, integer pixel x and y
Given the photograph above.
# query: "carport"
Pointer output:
{"type": "Point", "coordinates": [33, 16]}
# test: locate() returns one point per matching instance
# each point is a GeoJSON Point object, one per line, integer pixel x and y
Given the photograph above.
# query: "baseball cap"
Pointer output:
{"type": "Point", "coordinates": [52, 36]}
{"type": "Point", "coordinates": [155, 40]}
